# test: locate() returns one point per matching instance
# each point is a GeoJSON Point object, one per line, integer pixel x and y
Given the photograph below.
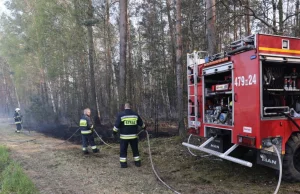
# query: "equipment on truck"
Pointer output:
{"type": "Point", "coordinates": [248, 98]}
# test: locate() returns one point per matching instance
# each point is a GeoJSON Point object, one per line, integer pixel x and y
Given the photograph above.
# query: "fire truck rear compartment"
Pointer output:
{"type": "Point", "coordinates": [218, 96]}
{"type": "Point", "coordinates": [222, 142]}
{"type": "Point", "coordinates": [280, 88]}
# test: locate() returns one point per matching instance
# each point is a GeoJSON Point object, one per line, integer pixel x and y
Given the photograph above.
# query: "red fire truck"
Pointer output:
{"type": "Point", "coordinates": [248, 98]}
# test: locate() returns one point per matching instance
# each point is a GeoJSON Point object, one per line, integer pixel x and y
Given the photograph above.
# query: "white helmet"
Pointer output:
{"type": "Point", "coordinates": [18, 109]}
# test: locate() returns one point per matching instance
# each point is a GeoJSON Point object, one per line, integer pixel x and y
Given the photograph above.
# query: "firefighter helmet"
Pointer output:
{"type": "Point", "coordinates": [18, 109]}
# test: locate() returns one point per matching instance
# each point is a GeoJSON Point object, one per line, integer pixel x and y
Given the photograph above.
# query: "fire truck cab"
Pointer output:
{"type": "Point", "coordinates": [249, 98]}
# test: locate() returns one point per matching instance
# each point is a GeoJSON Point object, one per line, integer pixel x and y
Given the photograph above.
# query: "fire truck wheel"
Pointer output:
{"type": "Point", "coordinates": [291, 159]}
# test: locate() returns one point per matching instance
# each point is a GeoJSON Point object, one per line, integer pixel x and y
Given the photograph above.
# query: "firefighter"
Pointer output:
{"type": "Point", "coordinates": [87, 130]}
{"type": "Point", "coordinates": [127, 123]}
{"type": "Point", "coordinates": [18, 119]}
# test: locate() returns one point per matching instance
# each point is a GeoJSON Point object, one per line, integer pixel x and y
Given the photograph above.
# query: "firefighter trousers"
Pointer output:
{"type": "Point", "coordinates": [88, 139]}
{"type": "Point", "coordinates": [123, 149]}
{"type": "Point", "coordinates": [19, 126]}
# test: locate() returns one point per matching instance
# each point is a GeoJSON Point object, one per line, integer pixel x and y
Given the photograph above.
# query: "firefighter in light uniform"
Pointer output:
{"type": "Point", "coordinates": [18, 120]}
{"type": "Point", "coordinates": [87, 129]}
{"type": "Point", "coordinates": [127, 124]}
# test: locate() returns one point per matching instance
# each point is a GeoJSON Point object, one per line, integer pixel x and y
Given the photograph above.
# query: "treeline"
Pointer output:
{"type": "Point", "coordinates": [60, 56]}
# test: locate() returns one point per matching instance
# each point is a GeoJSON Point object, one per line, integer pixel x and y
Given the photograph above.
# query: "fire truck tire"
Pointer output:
{"type": "Point", "coordinates": [291, 159]}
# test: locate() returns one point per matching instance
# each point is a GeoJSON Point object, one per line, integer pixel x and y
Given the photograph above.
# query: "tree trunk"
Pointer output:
{"type": "Point", "coordinates": [109, 76]}
{"type": "Point", "coordinates": [234, 22]}
{"type": "Point", "coordinates": [274, 15]}
{"type": "Point", "coordinates": [129, 68]}
{"type": "Point", "coordinates": [179, 69]}
{"type": "Point", "coordinates": [123, 46]}
{"type": "Point", "coordinates": [211, 27]}
{"type": "Point", "coordinates": [6, 92]}
{"type": "Point", "coordinates": [93, 104]}
{"type": "Point", "coordinates": [280, 13]}
{"type": "Point", "coordinates": [297, 27]}
{"type": "Point", "coordinates": [80, 60]}
{"type": "Point", "coordinates": [165, 66]}
{"type": "Point", "coordinates": [171, 30]}
{"type": "Point", "coordinates": [248, 30]}
{"type": "Point", "coordinates": [173, 43]}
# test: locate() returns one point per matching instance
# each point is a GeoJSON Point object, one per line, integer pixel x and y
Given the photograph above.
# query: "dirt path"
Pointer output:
{"type": "Point", "coordinates": [64, 170]}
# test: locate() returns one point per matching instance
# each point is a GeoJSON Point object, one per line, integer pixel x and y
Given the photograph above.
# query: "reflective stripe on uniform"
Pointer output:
{"type": "Point", "coordinates": [84, 149]}
{"type": "Point", "coordinates": [129, 116]}
{"type": "Point", "coordinates": [18, 122]}
{"type": "Point", "coordinates": [115, 129]}
{"type": "Point", "coordinates": [83, 123]}
{"type": "Point", "coordinates": [131, 136]}
{"type": "Point", "coordinates": [123, 159]}
{"type": "Point", "coordinates": [137, 158]}
{"type": "Point", "coordinates": [86, 132]}
{"type": "Point", "coordinates": [129, 119]}
{"type": "Point", "coordinates": [143, 126]}
{"type": "Point", "coordinates": [94, 147]}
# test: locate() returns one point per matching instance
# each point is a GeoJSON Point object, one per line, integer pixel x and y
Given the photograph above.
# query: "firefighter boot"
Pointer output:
{"type": "Point", "coordinates": [123, 164]}
{"type": "Point", "coordinates": [137, 163]}
{"type": "Point", "coordinates": [96, 150]}
{"type": "Point", "coordinates": [85, 151]}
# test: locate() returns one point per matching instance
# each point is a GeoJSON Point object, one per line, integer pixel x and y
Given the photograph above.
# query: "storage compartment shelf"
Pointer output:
{"type": "Point", "coordinates": [283, 90]}
{"type": "Point", "coordinates": [218, 93]}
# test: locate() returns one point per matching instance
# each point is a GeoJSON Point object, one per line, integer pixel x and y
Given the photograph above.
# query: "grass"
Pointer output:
{"type": "Point", "coordinates": [12, 177]}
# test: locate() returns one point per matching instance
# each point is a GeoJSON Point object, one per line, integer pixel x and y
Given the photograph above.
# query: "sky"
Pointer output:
{"type": "Point", "coordinates": [2, 6]}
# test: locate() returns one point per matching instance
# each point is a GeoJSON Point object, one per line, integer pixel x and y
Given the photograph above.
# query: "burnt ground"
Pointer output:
{"type": "Point", "coordinates": [62, 169]}
{"type": "Point", "coordinates": [105, 131]}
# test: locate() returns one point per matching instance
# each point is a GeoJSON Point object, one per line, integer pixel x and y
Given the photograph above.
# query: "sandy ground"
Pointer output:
{"type": "Point", "coordinates": [64, 169]}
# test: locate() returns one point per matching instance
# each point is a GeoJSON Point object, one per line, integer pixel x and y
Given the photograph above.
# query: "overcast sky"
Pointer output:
{"type": "Point", "coordinates": [2, 6]}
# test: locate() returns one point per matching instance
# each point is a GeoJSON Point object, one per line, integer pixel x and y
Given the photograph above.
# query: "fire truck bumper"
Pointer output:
{"type": "Point", "coordinates": [224, 155]}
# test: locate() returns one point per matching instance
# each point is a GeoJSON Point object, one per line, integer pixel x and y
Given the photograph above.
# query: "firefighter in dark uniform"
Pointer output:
{"type": "Point", "coordinates": [18, 120]}
{"type": "Point", "coordinates": [87, 130]}
{"type": "Point", "coordinates": [127, 124]}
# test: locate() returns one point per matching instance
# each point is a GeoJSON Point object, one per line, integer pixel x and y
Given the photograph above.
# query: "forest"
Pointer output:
{"type": "Point", "coordinates": [58, 57]}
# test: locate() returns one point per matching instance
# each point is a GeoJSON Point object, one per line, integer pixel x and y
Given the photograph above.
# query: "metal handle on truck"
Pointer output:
{"type": "Point", "coordinates": [235, 97]}
{"type": "Point", "coordinates": [276, 109]}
